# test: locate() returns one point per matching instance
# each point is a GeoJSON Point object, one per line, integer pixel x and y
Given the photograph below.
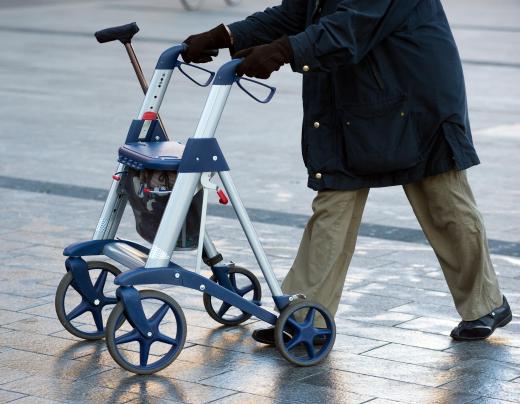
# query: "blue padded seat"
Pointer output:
{"type": "Point", "coordinates": [152, 155]}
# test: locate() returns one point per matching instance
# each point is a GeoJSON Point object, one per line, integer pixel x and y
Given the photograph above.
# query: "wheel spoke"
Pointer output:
{"type": "Point", "coordinates": [245, 290]}
{"type": "Point", "coordinates": [309, 318]}
{"type": "Point", "coordinates": [109, 300]}
{"type": "Point", "coordinates": [310, 349]}
{"type": "Point", "coordinates": [167, 340]}
{"type": "Point", "coordinates": [78, 311]}
{"type": "Point", "coordinates": [322, 331]}
{"type": "Point", "coordinates": [223, 309]}
{"type": "Point", "coordinates": [292, 322]}
{"type": "Point", "coordinates": [100, 282]}
{"type": "Point", "coordinates": [233, 280]}
{"type": "Point", "coordinates": [128, 337]}
{"type": "Point", "coordinates": [157, 317]}
{"type": "Point", "coordinates": [98, 318]}
{"type": "Point", "coordinates": [144, 353]}
{"type": "Point", "coordinates": [292, 343]}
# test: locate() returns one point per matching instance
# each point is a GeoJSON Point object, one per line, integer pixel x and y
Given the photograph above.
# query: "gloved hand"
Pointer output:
{"type": "Point", "coordinates": [216, 38]}
{"type": "Point", "coordinates": [261, 61]}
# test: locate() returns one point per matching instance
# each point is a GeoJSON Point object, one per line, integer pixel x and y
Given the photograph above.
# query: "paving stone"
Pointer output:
{"type": "Point", "coordinates": [36, 324]}
{"type": "Point", "coordinates": [404, 292]}
{"type": "Point", "coordinates": [8, 374]}
{"type": "Point", "coordinates": [488, 349]}
{"type": "Point", "coordinates": [159, 386]}
{"type": "Point", "coordinates": [379, 318]}
{"type": "Point", "coordinates": [56, 389]}
{"type": "Point", "coordinates": [22, 363]}
{"type": "Point", "coordinates": [431, 325]}
{"type": "Point", "coordinates": [45, 344]}
{"type": "Point", "coordinates": [386, 388]}
{"type": "Point", "coordinates": [7, 396]}
{"type": "Point", "coordinates": [389, 369]}
{"type": "Point", "coordinates": [483, 385]}
{"type": "Point", "coordinates": [279, 383]}
{"type": "Point", "coordinates": [35, 400]}
{"type": "Point", "coordinates": [15, 302]}
{"type": "Point", "coordinates": [429, 310]}
{"type": "Point", "coordinates": [244, 398]}
{"type": "Point", "coordinates": [417, 356]}
{"type": "Point", "coordinates": [7, 317]}
{"type": "Point", "coordinates": [393, 334]}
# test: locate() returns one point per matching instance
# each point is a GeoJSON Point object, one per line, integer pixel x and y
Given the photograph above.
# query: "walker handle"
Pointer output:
{"type": "Point", "coordinates": [123, 33]}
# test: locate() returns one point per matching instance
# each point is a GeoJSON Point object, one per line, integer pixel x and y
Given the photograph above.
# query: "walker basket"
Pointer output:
{"type": "Point", "coordinates": [148, 193]}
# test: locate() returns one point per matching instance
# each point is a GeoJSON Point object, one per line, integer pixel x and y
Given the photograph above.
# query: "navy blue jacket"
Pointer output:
{"type": "Point", "coordinates": [383, 89]}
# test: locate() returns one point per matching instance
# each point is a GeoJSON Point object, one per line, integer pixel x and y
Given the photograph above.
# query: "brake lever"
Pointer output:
{"type": "Point", "coordinates": [205, 84]}
{"type": "Point", "coordinates": [272, 90]}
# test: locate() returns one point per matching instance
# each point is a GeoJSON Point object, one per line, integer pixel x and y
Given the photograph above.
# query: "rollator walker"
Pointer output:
{"type": "Point", "coordinates": [146, 329]}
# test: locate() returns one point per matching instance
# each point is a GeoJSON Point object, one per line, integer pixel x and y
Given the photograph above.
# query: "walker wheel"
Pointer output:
{"type": "Point", "coordinates": [143, 354]}
{"type": "Point", "coordinates": [77, 315]}
{"type": "Point", "coordinates": [245, 284]}
{"type": "Point", "coordinates": [302, 348]}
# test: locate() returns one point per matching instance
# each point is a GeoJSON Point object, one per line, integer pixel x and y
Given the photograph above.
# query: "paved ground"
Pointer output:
{"type": "Point", "coordinates": [66, 105]}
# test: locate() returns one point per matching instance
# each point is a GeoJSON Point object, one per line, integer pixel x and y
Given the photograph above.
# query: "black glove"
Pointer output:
{"type": "Point", "coordinates": [217, 38]}
{"type": "Point", "coordinates": [261, 61]}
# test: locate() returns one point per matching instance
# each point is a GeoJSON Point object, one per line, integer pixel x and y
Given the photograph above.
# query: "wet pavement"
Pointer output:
{"type": "Point", "coordinates": [67, 104]}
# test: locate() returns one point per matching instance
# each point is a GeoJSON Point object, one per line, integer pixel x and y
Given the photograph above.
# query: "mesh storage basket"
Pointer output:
{"type": "Point", "coordinates": [144, 189]}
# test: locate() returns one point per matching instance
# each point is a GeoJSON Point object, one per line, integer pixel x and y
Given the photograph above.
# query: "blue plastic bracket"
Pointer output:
{"type": "Point", "coordinates": [134, 309]}
{"type": "Point", "coordinates": [81, 281]}
{"type": "Point", "coordinates": [176, 275]}
{"type": "Point", "coordinates": [155, 132]}
{"type": "Point", "coordinates": [202, 155]}
{"type": "Point", "coordinates": [281, 302]}
{"type": "Point", "coordinates": [95, 247]}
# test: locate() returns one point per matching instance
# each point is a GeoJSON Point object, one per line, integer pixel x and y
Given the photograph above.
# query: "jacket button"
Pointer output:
{"type": "Point", "coordinates": [318, 176]}
{"type": "Point", "coordinates": [306, 68]}
{"type": "Point", "coordinates": [316, 124]}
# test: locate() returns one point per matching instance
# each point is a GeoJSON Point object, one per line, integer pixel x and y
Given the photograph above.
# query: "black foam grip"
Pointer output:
{"type": "Point", "coordinates": [123, 33]}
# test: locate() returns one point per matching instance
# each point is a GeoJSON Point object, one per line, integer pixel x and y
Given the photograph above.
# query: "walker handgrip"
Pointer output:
{"type": "Point", "coordinates": [272, 90]}
{"type": "Point", "coordinates": [123, 33]}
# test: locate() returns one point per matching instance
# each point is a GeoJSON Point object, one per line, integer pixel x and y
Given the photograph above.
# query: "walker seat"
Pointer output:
{"type": "Point", "coordinates": [164, 156]}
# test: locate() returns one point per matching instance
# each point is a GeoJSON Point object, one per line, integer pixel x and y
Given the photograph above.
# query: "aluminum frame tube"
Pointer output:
{"type": "Point", "coordinates": [251, 234]}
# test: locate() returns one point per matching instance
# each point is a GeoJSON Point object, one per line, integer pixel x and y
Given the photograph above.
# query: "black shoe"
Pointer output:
{"type": "Point", "coordinates": [484, 326]}
{"type": "Point", "coordinates": [266, 336]}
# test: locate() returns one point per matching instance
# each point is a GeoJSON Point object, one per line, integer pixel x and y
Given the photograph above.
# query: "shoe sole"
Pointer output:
{"type": "Point", "coordinates": [503, 323]}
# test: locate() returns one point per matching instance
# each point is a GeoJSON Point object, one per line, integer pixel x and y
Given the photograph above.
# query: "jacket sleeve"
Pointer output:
{"type": "Point", "coordinates": [348, 34]}
{"type": "Point", "coordinates": [269, 25]}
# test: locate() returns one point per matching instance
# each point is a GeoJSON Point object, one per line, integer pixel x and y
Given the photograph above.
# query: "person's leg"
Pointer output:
{"type": "Point", "coordinates": [327, 247]}
{"type": "Point", "coordinates": [447, 212]}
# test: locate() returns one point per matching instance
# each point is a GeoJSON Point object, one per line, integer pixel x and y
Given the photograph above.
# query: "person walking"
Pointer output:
{"type": "Point", "coordinates": [384, 104]}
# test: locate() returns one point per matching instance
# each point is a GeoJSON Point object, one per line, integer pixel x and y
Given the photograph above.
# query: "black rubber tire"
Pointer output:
{"type": "Point", "coordinates": [113, 324]}
{"type": "Point", "coordinates": [281, 325]}
{"type": "Point", "coordinates": [257, 296]}
{"type": "Point", "coordinates": [59, 300]}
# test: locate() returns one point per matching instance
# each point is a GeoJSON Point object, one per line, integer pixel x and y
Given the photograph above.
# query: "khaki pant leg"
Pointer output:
{"type": "Point", "coordinates": [326, 248]}
{"type": "Point", "coordinates": [447, 212]}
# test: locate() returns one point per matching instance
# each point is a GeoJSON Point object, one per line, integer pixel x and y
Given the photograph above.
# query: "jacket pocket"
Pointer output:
{"type": "Point", "coordinates": [380, 138]}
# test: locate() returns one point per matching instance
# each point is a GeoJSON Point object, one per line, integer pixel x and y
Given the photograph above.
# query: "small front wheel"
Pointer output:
{"type": "Point", "coordinates": [80, 317]}
{"type": "Point", "coordinates": [147, 354]}
{"type": "Point", "coordinates": [242, 282]}
{"type": "Point", "coordinates": [311, 330]}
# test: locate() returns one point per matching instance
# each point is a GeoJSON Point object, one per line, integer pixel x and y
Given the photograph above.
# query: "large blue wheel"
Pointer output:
{"type": "Point", "coordinates": [80, 317]}
{"type": "Point", "coordinates": [297, 337]}
{"type": "Point", "coordinates": [147, 354]}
